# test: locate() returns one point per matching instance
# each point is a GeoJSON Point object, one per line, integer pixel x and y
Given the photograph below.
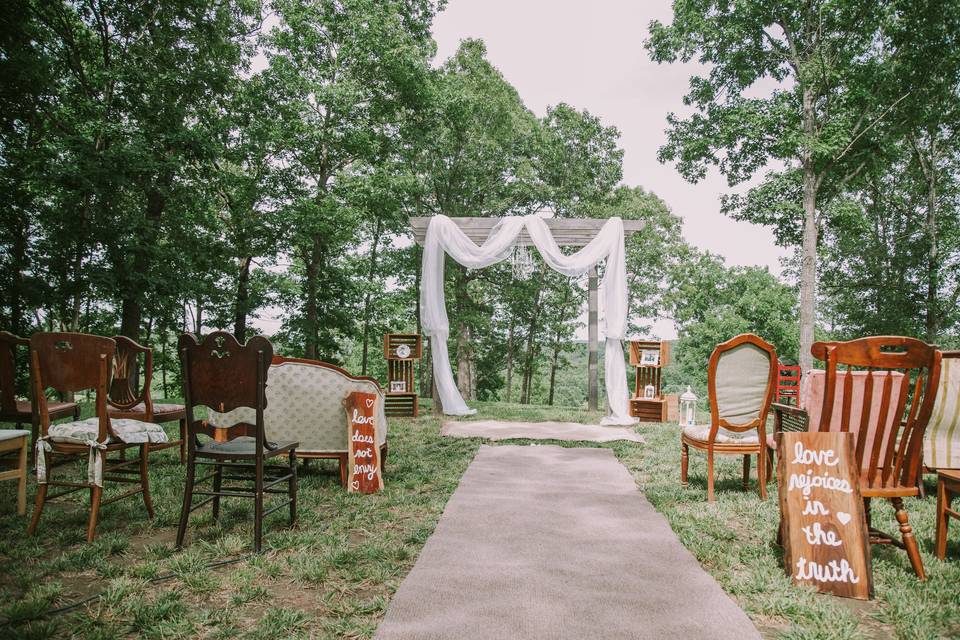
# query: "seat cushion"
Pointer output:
{"type": "Point", "coordinates": [128, 431]}
{"type": "Point", "coordinates": [724, 436]}
{"type": "Point", "coordinates": [157, 408]}
{"type": "Point", "coordinates": [23, 406]}
{"type": "Point", "coordinates": [242, 446]}
{"type": "Point", "coordinates": [10, 434]}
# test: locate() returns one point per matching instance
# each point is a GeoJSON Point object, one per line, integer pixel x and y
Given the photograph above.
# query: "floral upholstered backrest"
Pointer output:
{"type": "Point", "coordinates": [304, 404]}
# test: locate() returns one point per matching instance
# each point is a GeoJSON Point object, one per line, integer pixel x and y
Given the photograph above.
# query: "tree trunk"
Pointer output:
{"type": "Point", "coordinates": [242, 302]}
{"type": "Point", "coordinates": [553, 372]}
{"type": "Point", "coordinates": [530, 352]}
{"type": "Point", "coordinates": [198, 318]}
{"type": "Point", "coordinates": [378, 229]}
{"type": "Point", "coordinates": [933, 266]}
{"type": "Point", "coordinates": [465, 370]}
{"type": "Point", "coordinates": [808, 265]}
{"type": "Point", "coordinates": [510, 356]}
{"type": "Point", "coordinates": [131, 310]}
{"type": "Point", "coordinates": [311, 268]}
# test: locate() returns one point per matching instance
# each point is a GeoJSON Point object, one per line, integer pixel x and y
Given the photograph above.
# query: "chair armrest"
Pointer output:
{"type": "Point", "coordinates": [789, 418]}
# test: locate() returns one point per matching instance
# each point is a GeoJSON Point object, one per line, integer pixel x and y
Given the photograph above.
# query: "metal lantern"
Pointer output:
{"type": "Point", "coordinates": [688, 408]}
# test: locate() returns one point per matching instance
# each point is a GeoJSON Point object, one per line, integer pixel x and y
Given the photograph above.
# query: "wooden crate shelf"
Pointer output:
{"type": "Point", "coordinates": [649, 410]}
{"type": "Point", "coordinates": [401, 404]}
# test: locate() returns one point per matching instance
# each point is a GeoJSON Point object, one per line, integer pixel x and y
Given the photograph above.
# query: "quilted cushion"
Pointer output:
{"type": "Point", "coordinates": [84, 431]}
{"type": "Point", "coordinates": [10, 434]}
{"type": "Point", "coordinates": [724, 436]}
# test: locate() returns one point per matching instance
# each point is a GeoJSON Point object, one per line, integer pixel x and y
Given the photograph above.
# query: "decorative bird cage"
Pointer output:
{"type": "Point", "coordinates": [688, 408]}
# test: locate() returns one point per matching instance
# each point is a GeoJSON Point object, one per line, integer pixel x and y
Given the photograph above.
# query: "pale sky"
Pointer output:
{"type": "Point", "coordinates": [591, 56]}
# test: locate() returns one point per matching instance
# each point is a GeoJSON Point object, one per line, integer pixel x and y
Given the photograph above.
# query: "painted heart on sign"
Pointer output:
{"type": "Point", "coordinates": [370, 403]}
{"type": "Point", "coordinates": [843, 517]}
{"type": "Point", "coordinates": [355, 485]}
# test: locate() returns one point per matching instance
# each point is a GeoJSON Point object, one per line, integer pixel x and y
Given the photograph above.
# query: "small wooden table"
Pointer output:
{"type": "Point", "coordinates": [948, 488]}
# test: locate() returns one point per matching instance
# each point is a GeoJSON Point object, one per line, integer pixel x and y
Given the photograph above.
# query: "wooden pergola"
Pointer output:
{"type": "Point", "coordinates": [568, 232]}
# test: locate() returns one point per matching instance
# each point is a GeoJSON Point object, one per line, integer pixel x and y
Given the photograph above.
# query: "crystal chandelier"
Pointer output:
{"type": "Point", "coordinates": [522, 262]}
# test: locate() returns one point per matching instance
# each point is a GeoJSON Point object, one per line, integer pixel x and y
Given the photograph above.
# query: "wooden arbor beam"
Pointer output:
{"type": "Point", "coordinates": [568, 232]}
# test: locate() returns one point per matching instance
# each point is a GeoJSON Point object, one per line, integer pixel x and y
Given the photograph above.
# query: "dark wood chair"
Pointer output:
{"type": "Point", "coordinates": [13, 456]}
{"type": "Point", "coordinates": [20, 412]}
{"type": "Point", "coordinates": [74, 362]}
{"type": "Point", "coordinates": [883, 389]}
{"type": "Point", "coordinates": [125, 402]}
{"type": "Point", "coordinates": [221, 374]}
{"type": "Point", "coordinates": [741, 381]}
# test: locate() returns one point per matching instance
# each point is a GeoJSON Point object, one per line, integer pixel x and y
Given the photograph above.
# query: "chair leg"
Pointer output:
{"type": "Point", "coordinates": [292, 487]}
{"type": "Point", "coordinates": [145, 478]}
{"type": "Point", "coordinates": [95, 494]}
{"type": "Point", "coordinates": [710, 497]}
{"type": "Point", "coordinates": [258, 506]}
{"type": "Point", "coordinates": [187, 502]}
{"type": "Point", "coordinates": [769, 474]}
{"type": "Point", "coordinates": [343, 462]}
{"type": "Point", "coordinates": [746, 472]}
{"type": "Point", "coordinates": [762, 472]}
{"type": "Point", "coordinates": [684, 462]}
{"type": "Point", "coordinates": [22, 479]}
{"type": "Point", "coordinates": [217, 483]}
{"type": "Point", "coordinates": [183, 440]}
{"type": "Point", "coordinates": [909, 541]}
{"type": "Point", "coordinates": [943, 519]}
{"type": "Point", "coordinates": [41, 499]}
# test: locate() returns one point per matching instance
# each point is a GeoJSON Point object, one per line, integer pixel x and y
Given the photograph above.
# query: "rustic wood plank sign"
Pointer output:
{"type": "Point", "coordinates": [822, 523]}
{"type": "Point", "coordinates": [363, 470]}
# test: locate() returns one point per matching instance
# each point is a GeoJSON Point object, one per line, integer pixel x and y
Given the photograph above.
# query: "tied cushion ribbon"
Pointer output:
{"type": "Point", "coordinates": [94, 461]}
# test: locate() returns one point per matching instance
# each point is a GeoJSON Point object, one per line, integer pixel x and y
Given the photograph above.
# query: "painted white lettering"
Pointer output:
{"type": "Point", "coordinates": [802, 455]}
{"type": "Point", "coordinates": [816, 534]}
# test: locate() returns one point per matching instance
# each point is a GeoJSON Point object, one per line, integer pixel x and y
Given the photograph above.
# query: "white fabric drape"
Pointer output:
{"type": "Point", "coordinates": [444, 236]}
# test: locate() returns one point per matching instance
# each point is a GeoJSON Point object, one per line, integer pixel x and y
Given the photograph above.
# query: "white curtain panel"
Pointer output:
{"type": "Point", "coordinates": [445, 237]}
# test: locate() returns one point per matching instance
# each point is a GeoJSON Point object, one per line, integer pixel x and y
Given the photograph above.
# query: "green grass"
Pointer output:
{"type": "Point", "coordinates": [332, 575]}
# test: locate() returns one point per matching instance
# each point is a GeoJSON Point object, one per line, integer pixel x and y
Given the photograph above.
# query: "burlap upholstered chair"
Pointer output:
{"type": "Point", "coordinates": [941, 440]}
{"type": "Point", "coordinates": [741, 381]}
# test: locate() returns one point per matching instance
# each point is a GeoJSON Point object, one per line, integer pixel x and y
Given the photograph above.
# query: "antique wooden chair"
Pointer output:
{"type": "Point", "coordinates": [741, 381]}
{"type": "Point", "coordinates": [222, 375]}
{"type": "Point", "coordinates": [124, 402]}
{"type": "Point", "coordinates": [886, 396]}
{"type": "Point", "coordinates": [74, 362]}
{"type": "Point", "coordinates": [16, 411]}
{"type": "Point", "coordinates": [13, 454]}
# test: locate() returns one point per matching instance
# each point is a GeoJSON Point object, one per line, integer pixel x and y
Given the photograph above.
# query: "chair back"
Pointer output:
{"type": "Point", "coordinates": [884, 394]}
{"type": "Point", "coordinates": [70, 362]}
{"type": "Point", "coordinates": [223, 375]}
{"type": "Point", "coordinates": [8, 371]}
{"type": "Point", "coordinates": [941, 440]}
{"type": "Point", "coordinates": [125, 391]}
{"type": "Point", "coordinates": [741, 379]}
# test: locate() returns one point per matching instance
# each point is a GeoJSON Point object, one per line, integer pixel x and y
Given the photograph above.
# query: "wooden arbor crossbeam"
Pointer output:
{"type": "Point", "coordinates": [568, 232]}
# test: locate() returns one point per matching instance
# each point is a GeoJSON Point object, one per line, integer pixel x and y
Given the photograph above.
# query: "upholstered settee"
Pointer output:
{"type": "Point", "coordinates": [305, 405]}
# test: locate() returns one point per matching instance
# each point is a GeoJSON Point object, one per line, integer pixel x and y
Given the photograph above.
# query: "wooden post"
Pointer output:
{"type": "Point", "coordinates": [593, 380]}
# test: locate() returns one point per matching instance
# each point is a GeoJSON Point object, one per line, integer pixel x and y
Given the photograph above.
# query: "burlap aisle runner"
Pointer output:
{"type": "Point", "coordinates": [502, 430]}
{"type": "Point", "coordinates": [550, 542]}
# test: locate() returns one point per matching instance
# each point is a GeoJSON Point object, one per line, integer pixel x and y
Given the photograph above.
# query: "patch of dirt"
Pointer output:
{"type": "Point", "coordinates": [864, 611]}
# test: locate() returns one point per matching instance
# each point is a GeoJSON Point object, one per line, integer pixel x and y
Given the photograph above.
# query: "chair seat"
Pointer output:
{"type": "Point", "coordinates": [127, 431]}
{"type": "Point", "coordinates": [55, 409]}
{"type": "Point", "coordinates": [159, 410]}
{"type": "Point", "coordinates": [701, 433]}
{"type": "Point", "coordinates": [243, 447]}
{"type": "Point", "coordinates": [10, 434]}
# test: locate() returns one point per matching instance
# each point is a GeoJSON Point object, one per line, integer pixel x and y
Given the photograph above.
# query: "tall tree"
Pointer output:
{"type": "Point", "coordinates": [827, 62]}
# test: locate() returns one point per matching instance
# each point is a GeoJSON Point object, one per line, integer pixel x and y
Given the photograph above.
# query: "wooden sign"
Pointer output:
{"type": "Point", "coordinates": [822, 523]}
{"type": "Point", "coordinates": [363, 470]}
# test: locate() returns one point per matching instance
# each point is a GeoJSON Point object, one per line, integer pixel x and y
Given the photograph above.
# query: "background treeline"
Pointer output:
{"type": "Point", "coordinates": [185, 165]}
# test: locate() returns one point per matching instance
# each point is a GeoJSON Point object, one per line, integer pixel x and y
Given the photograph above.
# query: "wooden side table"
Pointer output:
{"type": "Point", "coordinates": [948, 488]}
